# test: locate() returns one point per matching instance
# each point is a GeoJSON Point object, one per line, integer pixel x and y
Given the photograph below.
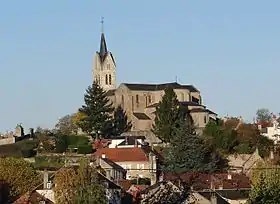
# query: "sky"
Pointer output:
{"type": "Point", "coordinates": [229, 50]}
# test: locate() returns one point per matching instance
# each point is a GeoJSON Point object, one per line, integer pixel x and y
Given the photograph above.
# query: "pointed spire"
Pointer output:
{"type": "Point", "coordinates": [103, 47]}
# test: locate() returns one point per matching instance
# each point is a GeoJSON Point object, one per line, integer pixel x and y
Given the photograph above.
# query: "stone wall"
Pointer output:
{"type": "Point", "coordinates": [8, 140]}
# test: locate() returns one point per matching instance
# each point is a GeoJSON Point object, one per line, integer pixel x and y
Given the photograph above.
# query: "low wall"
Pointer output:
{"type": "Point", "coordinates": [9, 140]}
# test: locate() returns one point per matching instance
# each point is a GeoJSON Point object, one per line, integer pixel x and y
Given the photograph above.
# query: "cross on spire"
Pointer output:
{"type": "Point", "coordinates": [102, 24]}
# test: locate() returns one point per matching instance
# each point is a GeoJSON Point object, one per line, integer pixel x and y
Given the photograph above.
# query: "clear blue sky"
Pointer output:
{"type": "Point", "coordinates": [228, 49]}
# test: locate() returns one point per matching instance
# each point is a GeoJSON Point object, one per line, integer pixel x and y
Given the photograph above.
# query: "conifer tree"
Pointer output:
{"type": "Point", "coordinates": [166, 115]}
{"type": "Point", "coordinates": [97, 111]}
{"type": "Point", "coordinates": [190, 151]}
{"type": "Point", "coordinates": [121, 123]}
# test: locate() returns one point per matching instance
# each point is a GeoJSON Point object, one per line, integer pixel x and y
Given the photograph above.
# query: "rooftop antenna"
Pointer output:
{"type": "Point", "coordinates": [102, 24]}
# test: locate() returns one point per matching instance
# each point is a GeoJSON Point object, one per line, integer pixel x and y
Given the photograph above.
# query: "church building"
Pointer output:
{"type": "Point", "coordinates": [140, 100]}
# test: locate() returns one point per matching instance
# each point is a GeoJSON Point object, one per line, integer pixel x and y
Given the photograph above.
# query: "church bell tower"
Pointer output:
{"type": "Point", "coordinates": [104, 66]}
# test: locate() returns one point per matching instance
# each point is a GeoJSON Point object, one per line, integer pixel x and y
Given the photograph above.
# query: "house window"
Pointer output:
{"type": "Point", "coordinates": [110, 79]}
{"type": "Point", "coordinates": [106, 79]}
{"type": "Point", "coordinates": [205, 119]}
{"type": "Point", "coordinates": [140, 167]}
{"type": "Point", "coordinates": [108, 66]}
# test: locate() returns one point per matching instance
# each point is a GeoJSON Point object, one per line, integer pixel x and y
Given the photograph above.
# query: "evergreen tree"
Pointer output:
{"type": "Point", "coordinates": [97, 111]}
{"type": "Point", "coordinates": [166, 115]}
{"type": "Point", "coordinates": [121, 123]}
{"type": "Point", "coordinates": [190, 151]}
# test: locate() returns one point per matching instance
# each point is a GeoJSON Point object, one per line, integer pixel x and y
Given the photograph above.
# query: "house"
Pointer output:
{"type": "Point", "coordinates": [204, 189]}
{"type": "Point", "coordinates": [113, 171]}
{"type": "Point", "coordinates": [244, 163]}
{"type": "Point", "coordinates": [270, 130]}
{"type": "Point", "coordinates": [33, 197]}
{"type": "Point", "coordinates": [138, 161]}
{"type": "Point", "coordinates": [140, 100]}
{"type": "Point", "coordinates": [127, 141]}
{"type": "Point", "coordinates": [44, 193]}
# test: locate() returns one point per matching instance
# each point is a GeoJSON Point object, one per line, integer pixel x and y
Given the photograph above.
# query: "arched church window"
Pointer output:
{"type": "Point", "coordinates": [122, 101]}
{"type": "Point", "coordinates": [110, 79]}
{"type": "Point", "coordinates": [106, 79]}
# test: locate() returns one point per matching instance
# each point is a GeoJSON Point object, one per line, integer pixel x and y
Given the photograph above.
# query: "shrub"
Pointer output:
{"type": "Point", "coordinates": [26, 153]}
{"type": "Point", "coordinates": [61, 144]}
{"type": "Point", "coordinates": [84, 149]}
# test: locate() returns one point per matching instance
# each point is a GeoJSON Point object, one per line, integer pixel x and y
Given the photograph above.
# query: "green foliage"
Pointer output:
{"type": "Point", "coordinates": [49, 161]}
{"type": "Point", "coordinates": [97, 109]}
{"type": "Point", "coordinates": [141, 181]}
{"type": "Point", "coordinates": [27, 153]}
{"type": "Point", "coordinates": [166, 115]}
{"type": "Point", "coordinates": [263, 115]}
{"type": "Point", "coordinates": [74, 140]}
{"type": "Point", "coordinates": [19, 175]}
{"type": "Point", "coordinates": [85, 149]}
{"type": "Point", "coordinates": [220, 137]}
{"type": "Point", "coordinates": [266, 185]}
{"type": "Point", "coordinates": [80, 186]}
{"type": "Point", "coordinates": [190, 151]}
{"type": "Point", "coordinates": [15, 150]}
{"type": "Point", "coordinates": [61, 144]}
{"type": "Point", "coordinates": [228, 140]}
{"type": "Point", "coordinates": [120, 122]}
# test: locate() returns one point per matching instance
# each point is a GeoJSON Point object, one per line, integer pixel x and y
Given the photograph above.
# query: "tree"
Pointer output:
{"type": "Point", "coordinates": [120, 122]}
{"type": "Point", "coordinates": [190, 151]}
{"type": "Point", "coordinates": [97, 110]}
{"type": "Point", "coordinates": [266, 185]}
{"type": "Point", "coordinates": [89, 189]}
{"type": "Point", "coordinates": [220, 137]}
{"type": "Point", "coordinates": [79, 186]}
{"type": "Point", "coordinates": [78, 120]}
{"type": "Point", "coordinates": [66, 125]}
{"type": "Point", "coordinates": [166, 115]}
{"type": "Point", "coordinates": [19, 175]}
{"type": "Point", "coordinates": [263, 115]}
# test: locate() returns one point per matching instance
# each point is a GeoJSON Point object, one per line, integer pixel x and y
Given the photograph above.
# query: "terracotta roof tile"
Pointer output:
{"type": "Point", "coordinates": [125, 184]}
{"type": "Point", "coordinates": [203, 181]}
{"type": "Point", "coordinates": [32, 197]}
{"type": "Point", "coordinates": [123, 154]}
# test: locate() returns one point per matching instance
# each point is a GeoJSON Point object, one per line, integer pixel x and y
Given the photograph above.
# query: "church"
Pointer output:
{"type": "Point", "coordinates": [140, 100]}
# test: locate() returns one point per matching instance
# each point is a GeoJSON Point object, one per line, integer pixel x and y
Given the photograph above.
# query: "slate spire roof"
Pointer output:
{"type": "Point", "coordinates": [103, 47]}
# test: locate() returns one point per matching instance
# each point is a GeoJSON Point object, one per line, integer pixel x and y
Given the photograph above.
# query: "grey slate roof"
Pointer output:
{"type": "Point", "coordinates": [113, 164]}
{"type": "Point", "coordinates": [158, 87]}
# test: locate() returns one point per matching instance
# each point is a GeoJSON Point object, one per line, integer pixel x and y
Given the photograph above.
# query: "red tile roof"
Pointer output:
{"type": "Point", "coordinates": [201, 181]}
{"type": "Point", "coordinates": [32, 197]}
{"type": "Point", "coordinates": [125, 184]}
{"type": "Point", "coordinates": [123, 154]}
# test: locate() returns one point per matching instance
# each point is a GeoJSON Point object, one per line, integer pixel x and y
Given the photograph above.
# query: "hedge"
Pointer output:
{"type": "Point", "coordinates": [85, 149]}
